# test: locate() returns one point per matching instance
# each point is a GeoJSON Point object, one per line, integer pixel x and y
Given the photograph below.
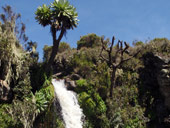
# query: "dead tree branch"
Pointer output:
{"type": "Point", "coordinates": [115, 61]}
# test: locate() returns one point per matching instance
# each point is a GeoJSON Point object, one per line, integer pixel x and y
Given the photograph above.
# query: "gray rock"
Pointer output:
{"type": "Point", "coordinates": [163, 78]}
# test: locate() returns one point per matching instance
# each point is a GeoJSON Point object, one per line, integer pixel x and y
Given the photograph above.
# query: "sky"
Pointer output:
{"type": "Point", "coordinates": [127, 20]}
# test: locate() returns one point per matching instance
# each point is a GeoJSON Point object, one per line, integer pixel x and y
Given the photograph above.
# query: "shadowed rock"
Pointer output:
{"type": "Point", "coordinates": [70, 84]}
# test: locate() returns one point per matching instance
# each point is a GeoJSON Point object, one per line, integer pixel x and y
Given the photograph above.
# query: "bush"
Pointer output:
{"type": "Point", "coordinates": [83, 63]}
{"type": "Point", "coordinates": [93, 106]}
{"type": "Point", "coordinates": [44, 98]}
{"type": "Point", "coordinates": [63, 47]}
{"type": "Point", "coordinates": [89, 41]}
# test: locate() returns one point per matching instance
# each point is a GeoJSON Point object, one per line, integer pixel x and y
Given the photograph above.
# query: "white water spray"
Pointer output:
{"type": "Point", "coordinates": [71, 111]}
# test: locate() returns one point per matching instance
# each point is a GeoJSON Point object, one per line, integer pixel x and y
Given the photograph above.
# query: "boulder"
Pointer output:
{"type": "Point", "coordinates": [70, 84]}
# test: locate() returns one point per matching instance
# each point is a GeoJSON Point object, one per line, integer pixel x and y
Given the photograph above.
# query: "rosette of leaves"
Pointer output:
{"type": "Point", "coordinates": [43, 15]}
{"type": "Point", "coordinates": [41, 102]}
{"type": "Point", "coordinates": [65, 13]}
{"type": "Point", "coordinates": [60, 12]}
{"type": "Point", "coordinates": [43, 98]}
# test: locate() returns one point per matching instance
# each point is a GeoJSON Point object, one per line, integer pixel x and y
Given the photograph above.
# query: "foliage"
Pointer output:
{"type": "Point", "coordinates": [21, 112]}
{"type": "Point", "coordinates": [5, 119]}
{"type": "Point", "coordinates": [138, 43]}
{"type": "Point", "coordinates": [64, 47]}
{"type": "Point", "coordinates": [11, 22]}
{"type": "Point", "coordinates": [59, 12]}
{"type": "Point", "coordinates": [159, 46]}
{"type": "Point", "coordinates": [89, 41]}
{"type": "Point", "coordinates": [44, 97]}
{"type": "Point", "coordinates": [15, 65]}
{"type": "Point", "coordinates": [135, 96]}
{"type": "Point", "coordinates": [124, 109]}
{"type": "Point", "coordinates": [102, 79]}
{"type": "Point", "coordinates": [84, 62]}
{"type": "Point", "coordinates": [43, 15]}
{"type": "Point", "coordinates": [91, 102]}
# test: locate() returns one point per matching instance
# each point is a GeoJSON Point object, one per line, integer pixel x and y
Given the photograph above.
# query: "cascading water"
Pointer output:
{"type": "Point", "coordinates": [70, 109]}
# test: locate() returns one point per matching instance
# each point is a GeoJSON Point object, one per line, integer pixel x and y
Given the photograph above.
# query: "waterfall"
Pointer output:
{"type": "Point", "coordinates": [70, 109]}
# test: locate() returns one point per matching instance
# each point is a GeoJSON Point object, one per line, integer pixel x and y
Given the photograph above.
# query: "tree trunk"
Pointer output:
{"type": "Point", "coordinates": [55, 47]}
{"type": "Point", "coordinates": [113, 81]}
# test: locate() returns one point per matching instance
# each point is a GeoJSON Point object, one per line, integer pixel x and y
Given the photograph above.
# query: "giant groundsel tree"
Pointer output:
{"type": "Point", "coordinates": [61, 16]}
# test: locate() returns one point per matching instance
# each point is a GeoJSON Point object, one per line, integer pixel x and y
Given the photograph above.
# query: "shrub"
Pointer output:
{"type": "Point", "coordinates": [44, 98]}
{"type": "Point", "coordinates": [89, 41]}
{"type": "Point", "coordinates": [93, 106]}
{"type": "Point", "coordinates": [63, 47]}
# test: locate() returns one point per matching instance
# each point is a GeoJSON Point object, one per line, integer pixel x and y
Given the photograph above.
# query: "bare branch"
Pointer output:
{"type": "Point", "coordinates": [105, 59]}
{"type": "Point", "coordinates": [103, 45]}
{"type": "Point", "coordinates": [128, 58]}
{"type": "Point", "coordinates": [115, 61]}
{"type": "Point", "coordinates": [126, 47]}
{"type": "Point", "coordinates": [111, 47]}
{"type": "Point", "coordinates": [118, 49]}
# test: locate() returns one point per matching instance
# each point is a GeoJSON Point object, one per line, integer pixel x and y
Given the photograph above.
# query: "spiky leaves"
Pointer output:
{"type": "Point", "coordinates": [65, 14]}
{"type": "Point", "coordinates": [60, 13]}
{"type": "Point", "coordinates": [43, 15]}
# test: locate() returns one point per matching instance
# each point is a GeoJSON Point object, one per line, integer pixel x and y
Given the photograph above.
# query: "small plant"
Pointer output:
{"type": "Point", "coordinates": [44, 97]}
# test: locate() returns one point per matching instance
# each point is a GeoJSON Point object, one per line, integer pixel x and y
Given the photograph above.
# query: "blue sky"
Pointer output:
{"type": "Point", "coordinates": [127, 20]}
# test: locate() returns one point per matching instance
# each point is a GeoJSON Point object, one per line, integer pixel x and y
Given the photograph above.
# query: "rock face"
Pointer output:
{"type": "Point", "coordinates": [155, 85]}
{"type": "Point", "coordinates": [160, 68]}
{"type": "Point", "coordinates": [5, 92]}
{"type": "Point", "coordinates": [163, 78]}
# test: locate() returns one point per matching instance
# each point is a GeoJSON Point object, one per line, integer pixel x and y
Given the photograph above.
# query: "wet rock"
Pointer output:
{"type": "Point", "coordinates": [70, 84]}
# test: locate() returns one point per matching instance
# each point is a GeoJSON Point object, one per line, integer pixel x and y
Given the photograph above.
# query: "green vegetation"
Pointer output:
{"type": "Point", "coordinates": [89, 41]}
{"type": "Point", "coordinates": [62, 48]}
{"type": "Point", "coordinates": [137, 99]}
